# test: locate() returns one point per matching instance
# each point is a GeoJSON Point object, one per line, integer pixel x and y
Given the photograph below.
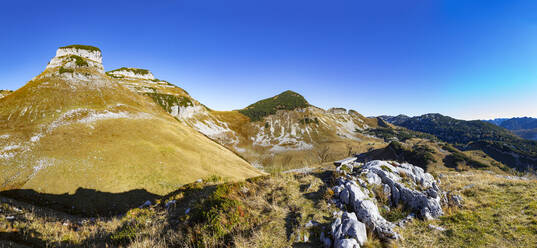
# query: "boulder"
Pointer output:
{"type": "Point", "coordinates": [346, 243]}
{"type": "Point", "coordinates": [348, 226]}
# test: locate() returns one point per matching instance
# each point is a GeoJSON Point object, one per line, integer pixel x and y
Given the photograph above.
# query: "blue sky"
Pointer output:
{"type": "Point", "coordinates": [466, 59]}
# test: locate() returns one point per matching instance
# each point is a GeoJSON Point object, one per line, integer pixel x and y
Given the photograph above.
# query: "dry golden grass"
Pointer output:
{"type": "Point", "coordinates": [156, 152]}
{"type": "Point", "coordinates": [497, 212]}
{"type": "Point", "coordinates": [321, 135]}
{"type": "Point", "coordinates": [271, 212]}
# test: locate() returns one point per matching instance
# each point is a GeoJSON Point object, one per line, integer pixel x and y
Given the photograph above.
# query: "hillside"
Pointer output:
{"type": "Point", "coordinates": [283, 131]}
{"type": "Point", "coordinates": [74, 127]}
{"type": "Point", "coordinates": [496, 141]}
{"type": "Point", "coordinates": [524, 127]}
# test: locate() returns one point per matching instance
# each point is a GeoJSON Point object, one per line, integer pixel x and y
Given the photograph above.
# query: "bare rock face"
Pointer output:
{"type": "Point", "coordinates": [346, 243]}
{"type": "Point", "coordinates": [400, 183]}
{"type": "Point", "coordinates": [348, 226]}
{"type": "Point", "coordinates": [77, 56]}
{"type": "Point", "coordinates": [132, 73]}
{"type": "Point", "coordinates": [364, 208]}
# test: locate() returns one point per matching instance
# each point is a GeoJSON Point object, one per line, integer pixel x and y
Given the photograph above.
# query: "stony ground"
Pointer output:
{"type": "Point", "coordinates": [281, 210]}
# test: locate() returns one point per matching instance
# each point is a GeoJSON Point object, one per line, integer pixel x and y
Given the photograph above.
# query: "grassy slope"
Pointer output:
{"type": "Point", "coordinates": [242, 129]}
{"type": "Point", "coordinates": [497, 212]}
{"type": "Point", "coordinates": [114, 155]}
{"type": "Point", "coordinates": [260, 212]}
{"type": "Point", "coordinates": [272, 211]}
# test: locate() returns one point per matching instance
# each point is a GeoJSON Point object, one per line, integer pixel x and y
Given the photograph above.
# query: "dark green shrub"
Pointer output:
{"type": "Point", "coordinates": [65, 70]}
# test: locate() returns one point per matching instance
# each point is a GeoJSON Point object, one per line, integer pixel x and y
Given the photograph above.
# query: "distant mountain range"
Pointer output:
{"type": "Point", "coordinates": [496, 141]}
{"type": "Point", "coordinates": [525, 127]}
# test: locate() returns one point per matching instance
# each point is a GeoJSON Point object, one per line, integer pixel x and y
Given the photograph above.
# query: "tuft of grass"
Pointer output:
{"type": "Point", "coordinates": [386, 168]}
{"type": "Point", "coordinates": [396, 213]}
{"type": "Point", "coordinates": [65, 70]}
{"type": "Point", "coordinates": [79, 61]}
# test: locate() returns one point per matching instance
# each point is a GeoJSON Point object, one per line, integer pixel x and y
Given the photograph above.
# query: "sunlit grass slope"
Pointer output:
{"type": "Point", "coordinates": [72, 126]}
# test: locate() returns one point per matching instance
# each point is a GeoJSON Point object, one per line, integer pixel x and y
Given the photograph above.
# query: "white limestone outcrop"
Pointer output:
{"type": "Point", "coordinates": [404, 184]}
{"type": "Point", "coordinates": [64, 58]}
{"type": "Point", "coordinates": [131, 73]}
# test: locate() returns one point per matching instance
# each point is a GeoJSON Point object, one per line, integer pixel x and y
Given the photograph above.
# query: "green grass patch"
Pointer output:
{"type": "Point", "coordinates": [79, 61]}
{"type": "Point", "coordinates": [84, 47]}
{"type": "Point", "coordinates": [456, 157]}
{"type": "Point", "coordinates": [132, 224]}
{"type": "Point", "coordinates": [395, 214]}
{"type": "Point", "coordinates": [65, 70]}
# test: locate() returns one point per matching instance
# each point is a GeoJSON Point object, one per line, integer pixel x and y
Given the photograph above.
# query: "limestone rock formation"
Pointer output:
{"type": "Point", "coordinates": [404, 184]}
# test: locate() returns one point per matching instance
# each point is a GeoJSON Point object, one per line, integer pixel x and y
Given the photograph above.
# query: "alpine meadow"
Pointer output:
{"type": "Point", "coordinates": [268, 124]}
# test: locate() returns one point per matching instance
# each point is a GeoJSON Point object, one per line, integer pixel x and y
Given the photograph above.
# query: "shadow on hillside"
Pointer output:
{"type": "Point", "coordinates": [84, 202]}
{"type": "Point", "coordinates": [450, 162]}
{"type": "Point", "coordinates": [378, 154]}
{"type": "Point", "coordinates": [18, 241]}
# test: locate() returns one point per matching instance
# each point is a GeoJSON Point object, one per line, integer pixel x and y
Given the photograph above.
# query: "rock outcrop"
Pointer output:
{"type": "Point", "coordinates": [398, 184]}
{"type": "Point", "coordinates": [134, 73]}
{"type": "Point", "coordinates": [69, 57]}
{"type": "Point", "coordinates": [347, 226]}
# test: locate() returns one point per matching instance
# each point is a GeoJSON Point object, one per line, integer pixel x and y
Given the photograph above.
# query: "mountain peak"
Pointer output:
{"type": "Point", "coordinates": [131, 73]}
{"type": "Point", "coordinates": [287, 100]}
{"type": "Point", "coordinates": [74, 56]}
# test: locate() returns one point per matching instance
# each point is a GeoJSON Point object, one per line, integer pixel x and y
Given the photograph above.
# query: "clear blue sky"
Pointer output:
{"type": "Point", "coordinates": [466, 59]}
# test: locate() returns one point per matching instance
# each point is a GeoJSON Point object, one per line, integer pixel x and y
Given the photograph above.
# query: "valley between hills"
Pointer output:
{"type": "Point", "coordinates": [121, 158]}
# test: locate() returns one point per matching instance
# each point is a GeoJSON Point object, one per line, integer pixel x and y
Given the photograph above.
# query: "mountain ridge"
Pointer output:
{"type": "Point", "coordinates": [282, 126]}
{"type": "Point", "coordinates": [524, 127]}
{"type": "Point", "coordinates": [496, 141]}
